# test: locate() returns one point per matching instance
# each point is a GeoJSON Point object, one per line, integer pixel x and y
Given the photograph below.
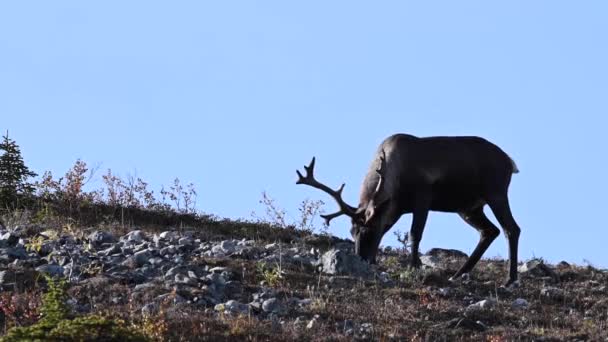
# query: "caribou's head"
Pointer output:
{"type": "Point", "coordinates": [368, 226]}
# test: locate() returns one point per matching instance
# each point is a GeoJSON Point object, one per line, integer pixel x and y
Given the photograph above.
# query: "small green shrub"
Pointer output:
{"type": "Point", "coordinates": [271, 275]}
{"type": "Point", "coordinates": [56, 324]}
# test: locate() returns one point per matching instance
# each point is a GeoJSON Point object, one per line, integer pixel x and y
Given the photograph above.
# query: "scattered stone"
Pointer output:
{"type": "Point", "coordinates": [149, 310]}
{"type": "Point", "coordinates": [7, 277]}
{"type": "Point", "coordinates": [218, 270]}
{"type": "Point", "coordinates": [520, 303]}
{"type": "Point", "coordinates": [168, 236]}
{"type": "Point", "coordinates": [272, 305]}
{"type": "Point", "coordinates": [136, 236]}
{"type": "Point", "coordinates": [137, 260]}
{"type": "Point", "coordinates": [446, 253]}
{"type": "Point", "coordinates": [313, 323]}
{"type": "Point", "coordinates": [113, 250]}
{"type": "Point", "coordinates": [233, 306]}
{"type": "Point", "coordinates": [51, 270]}
{"type": "Point", "coordinates": [97, 238]}
{"type": "Point", "coordinates": [11, 253]}
{"type": "Point", "coordinates": [430, 261]}
{"type": "Point", "coordinates": [485, 304]}
{"type": "Point", "coordinates": [186, 241]}
{"type": "Point", "coordinates": [537, 268]}
{"type": "Point", "coordinates": [183, 279]}
{"type": "Point", "coordinates": [8, 239]}
{"type": "Point", "coordinates": [226, 247]}
{"type": "Point", "coordinates": [384, 277]}
{"type": "Point", "coordinates": [445, 292]}
{"type": "Point", "coordinates": [337, 261]}
{"type": "Point", "coordinates": [300, 321]}
{"type": "Point", "coordinates": [366, 331]}
{"type": "Point", "coordinates": [553, 293]}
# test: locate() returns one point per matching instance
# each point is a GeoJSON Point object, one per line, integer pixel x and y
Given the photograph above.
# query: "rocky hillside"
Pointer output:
{"type": "Point", "coordinates": [189, 284]}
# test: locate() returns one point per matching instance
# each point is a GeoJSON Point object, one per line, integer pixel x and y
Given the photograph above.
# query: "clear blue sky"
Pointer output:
{"type": "Point", "coordinates": [234, 96]}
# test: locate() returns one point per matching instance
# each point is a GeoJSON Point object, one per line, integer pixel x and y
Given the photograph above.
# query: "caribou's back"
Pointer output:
{"type": "Point", "coordinates": [459, 171]}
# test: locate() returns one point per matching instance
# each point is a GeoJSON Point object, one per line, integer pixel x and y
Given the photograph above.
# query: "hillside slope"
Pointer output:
{"type": "Point", "coordinates": [224, 280]}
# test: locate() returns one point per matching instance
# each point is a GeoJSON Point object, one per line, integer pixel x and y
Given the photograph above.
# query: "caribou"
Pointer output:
{"type": "Point", "coordinates": [416, 175]}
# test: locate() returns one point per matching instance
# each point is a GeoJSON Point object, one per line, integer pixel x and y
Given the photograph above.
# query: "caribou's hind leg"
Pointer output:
{"type": "Point", "coordinates": [488, 232]}
{"type": "Point", "coordinates": [502, 211]}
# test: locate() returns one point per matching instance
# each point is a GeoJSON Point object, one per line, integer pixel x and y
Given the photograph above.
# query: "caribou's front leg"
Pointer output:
{"type": "Point", "coordinates": [418, 223]}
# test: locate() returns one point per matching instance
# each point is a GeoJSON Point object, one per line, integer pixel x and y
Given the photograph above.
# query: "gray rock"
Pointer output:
{"type": "Point", "coordinates": [520, 303]}
{"type": "Point", "coordinates": [271, 246]}
{"type": "Point", "coordinates": [143, 287]}
{"type": "Point", "coordinates": [186, 241]}
{"type": "Point", "coordinates": [313, 323]}
{"type": "Point", "coordinates": [155, 261]}
{"type": "Point", "coordinates": [225, 247]}
{"type": "Point", "coordinates": [11, 253]}
{"type": "Point", "coordinates": [98, 238]}
{"type": "Point", "coordinates": [150, 309]}
{"type": "Point", "coordinates": [8, 240]}
{"type": "Point", "coordinates": [184, 279]}
{"type": "Point", "coordinates": [552, 293]}
{"type": "Point", "coordinates": [114, 250]}
{"type": "Point", "coordinates": [138, 259]}
{"type": "Point", "coordinates": [216, 279]}
{"type": "Point", "coordinates": [168, 236]}
{"type": "Point", "coordinates": [51, 270]}
{"type": "Point", "coordinates": [143, 256]}
{"type": "Point", "coordinates": [218, 269]}
{"type": "Point", "coordinates": [7, 277]}
{"type": "Point", "coordinates": [233, 306]}
{"type": "Point", "coordinates": [136, 236]}
{"type": "Point", "coordinates": [366, 330]}
{"type": "Point", "coordinates": [485, 304]}
{"type": "Point", "coordinates": [430, 261]}
{"type": "Point", "coordinates": [169, 250]}
{"type": "Point", "coordinates": [445, 292]}
{"type": "Point", "coordinates": [537, 268]}
{"type": "Point", "coordinates": [170, 274]}
{"type": "Point", "coordinates": [336, 261]}
{"type": "Point", "coordinates": [272, 305]}
{"type": "Point", "coordinates": [446, 253]}
{"type": "Point", "coordinates": [140, 247]}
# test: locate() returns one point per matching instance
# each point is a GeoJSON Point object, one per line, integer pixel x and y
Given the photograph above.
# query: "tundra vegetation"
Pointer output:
{"type": "Point", "coordinates": [122, 262]}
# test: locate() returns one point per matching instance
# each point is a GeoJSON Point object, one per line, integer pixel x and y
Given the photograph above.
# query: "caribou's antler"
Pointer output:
{"type": "Point", "coordinates": [310, 180]}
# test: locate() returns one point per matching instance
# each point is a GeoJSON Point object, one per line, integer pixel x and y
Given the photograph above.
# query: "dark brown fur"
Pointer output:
{"type": "Point", "coordinates": [447, 174]}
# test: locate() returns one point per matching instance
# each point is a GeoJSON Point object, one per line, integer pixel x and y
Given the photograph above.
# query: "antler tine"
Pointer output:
{"type": "Point", "coordinates": [330, 217]}
{"type": "Point", "coordinates": [310, 180]}
{"type": "Point", "coordinates": [309, 173]}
